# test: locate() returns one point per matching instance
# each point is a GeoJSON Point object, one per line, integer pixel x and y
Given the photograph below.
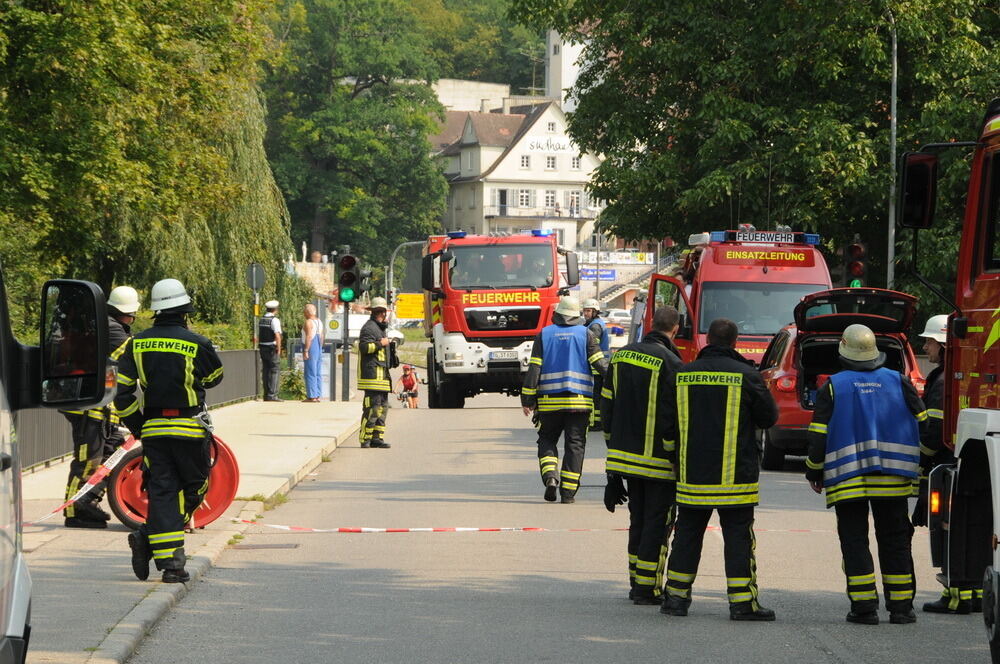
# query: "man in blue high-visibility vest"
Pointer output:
{"type": "Point", "coordinates": [559, 388]}
{"type": "Point", "coordinates": [864, 448]}
{"type": "Point", "coordinates": [597, 327]}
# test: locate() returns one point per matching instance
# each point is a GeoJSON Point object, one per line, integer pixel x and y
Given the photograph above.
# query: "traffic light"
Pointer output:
{"type": "Point", "coordinates": [855, 265]}
{"type": "Point", "coordinates": [348, 278]}
{"type": "Point", "coordinates": [364, 281]}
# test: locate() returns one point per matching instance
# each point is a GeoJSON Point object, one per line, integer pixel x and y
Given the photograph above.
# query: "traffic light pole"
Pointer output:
{"type": "Point", "coordinates": [346, 376]}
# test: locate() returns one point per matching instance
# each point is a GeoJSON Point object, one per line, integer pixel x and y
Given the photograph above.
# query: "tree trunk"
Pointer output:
{"type": "Point", "coordinates": [321, 219]}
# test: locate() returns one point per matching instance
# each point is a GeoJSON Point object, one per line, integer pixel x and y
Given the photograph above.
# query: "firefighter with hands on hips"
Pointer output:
{"type": "Point", "coordinates": [373, 375]}
{"type": "Point", "coordinates": [969, 597]}
{"type": "Point", "coordinates": [635, 421]}
{"type": "Point", "coordinates": [95, 431]}
{"type": "Point", "coordinates": [864, 448]}
{"type": "Point", "coordinates": [173, 366]}
{"type": "Point", "coordinates": [717, 402]}
{"type": "Point", "coordinates": [597, 326]}
{"type": "Point", "coordinates": [559, 388]}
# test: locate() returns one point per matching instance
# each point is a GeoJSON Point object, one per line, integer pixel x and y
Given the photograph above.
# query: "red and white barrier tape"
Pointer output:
{"type": "Point", "coordinates": [506, 529]}
{"type": "Point", "coordinates": [102, 472]}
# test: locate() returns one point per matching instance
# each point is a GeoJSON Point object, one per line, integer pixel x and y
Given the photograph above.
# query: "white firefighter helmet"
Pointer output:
{"type": "Point", "coordinates": [568, 306]}
{"type": "Point", "coordinates": [378, 303]}
{"type": "Point", "coordinates": [936, 328]}
{"type": "Point", "coordinates": [168, 294]}
{"type": "Point", "coordinates": [124, 299]}
{"type": "Point", "coordinates": [858, 344]}
{"type": "Point", "coordinates": [591, 303]}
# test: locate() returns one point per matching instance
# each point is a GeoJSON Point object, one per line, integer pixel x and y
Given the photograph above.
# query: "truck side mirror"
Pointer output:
{"type": "Point", "coordinates": [75, 369]}
{"type": "Point", "coordinates": [917, 190]}
{"type": "Point", "coordinates": [430, 273]}
{"type": "Point", "coordinates": [572, 269]}
{"type": "Point", "coordinates": [959, 327]}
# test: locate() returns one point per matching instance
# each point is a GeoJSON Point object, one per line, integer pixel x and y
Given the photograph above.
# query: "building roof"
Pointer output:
{"type": "Point", "coordinates": [450, 130]}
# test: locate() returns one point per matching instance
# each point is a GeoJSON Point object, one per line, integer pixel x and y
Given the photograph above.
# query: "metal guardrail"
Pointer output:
{"type": "Point", "coordinates": [43, 434]}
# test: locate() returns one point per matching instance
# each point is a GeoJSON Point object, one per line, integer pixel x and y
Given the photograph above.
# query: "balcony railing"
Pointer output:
{"type": "Point", "coordinates": [539, 212]}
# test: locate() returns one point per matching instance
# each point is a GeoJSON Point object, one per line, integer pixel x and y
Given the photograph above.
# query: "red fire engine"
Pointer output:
{"type": "Point", "coordinates": [485, 300]}
{"type": "Point", "coordinates": [963, 507]}
{"type": "Point", "coordinates": [754, 278]}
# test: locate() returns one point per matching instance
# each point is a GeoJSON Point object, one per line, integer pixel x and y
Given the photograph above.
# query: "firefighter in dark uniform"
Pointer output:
{"type": "Point", "coordinates": [969, 597]}
{"type": "Point", "coordinates": [718, 401]}
{"type": "Point", "coordinates": [373, 375]}
{"type": "Point", "coordinates": [95, 431]}
{"type": "Point", "coordinates": [173, 366]}
{"type": "Point", "coordinates": [559, 388]}
{"type": "Point", "coordinates": [597, 327]}
{"type": "Point", "coordinates": [864, 447]}
{"type": "Point", "coordinates": [635, 421]}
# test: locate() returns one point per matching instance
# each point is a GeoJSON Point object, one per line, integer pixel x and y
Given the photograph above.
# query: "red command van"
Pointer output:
{"type": "Point", "coordinates": [754, 278]}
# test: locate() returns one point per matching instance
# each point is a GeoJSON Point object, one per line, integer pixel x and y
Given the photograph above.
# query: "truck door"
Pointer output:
{"type": "Point", "coordinates": [672, 291]}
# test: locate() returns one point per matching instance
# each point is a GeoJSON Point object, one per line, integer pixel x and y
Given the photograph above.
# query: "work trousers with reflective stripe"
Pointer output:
{"type": "Point", "coordinates": [572, 425]}
{"type": "Point", "coordinates": [595, 413]}
{"type": "Point", "coordinates": [176, 481]}
{"type": "Point", "coordinates": [738, 551]}
{"type": "Point", "coordinates": [270, 373]}
{"type": "Point", "coordinates": [373, 413]}
{"type": "Point", "coordinates": [651, 520]}
{"type": "Point", "coordinates": [894, 533]}
{"type": "Point", "coordinates": [91, 446]}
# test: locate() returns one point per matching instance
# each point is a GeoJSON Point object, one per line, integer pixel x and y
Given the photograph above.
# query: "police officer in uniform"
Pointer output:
{"type": "Point", "coordinates": [864, 447]}
{"type": "Point", "coordinates": [269, 345]}
{"type": "Point", "coordinates": [373, 375]}
{"type": "Point", "coordinates": [635, 421]}
{"type": "Point", "coordinates": [95, 431]}
{"type": "Point", "coordinates": [969, 597]}
{"type": "Point", "coordinates": [597, 327]}
{"type": "Point", "coordinates": [173, 366]}
{"type": "Point", "coordinates": [559, 388]}
{"type": "Point", "coordinates": [718, 400]}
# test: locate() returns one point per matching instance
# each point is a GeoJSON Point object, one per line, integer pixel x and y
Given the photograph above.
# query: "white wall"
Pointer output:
{"type": "Point", "coordinates": [561, 68]}
{"type": "Point", "coordinates": [459, 95]}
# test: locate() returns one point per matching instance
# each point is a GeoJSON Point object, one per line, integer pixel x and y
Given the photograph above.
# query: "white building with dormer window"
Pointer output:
{"type": "Point", "coordinates": [515, 169]}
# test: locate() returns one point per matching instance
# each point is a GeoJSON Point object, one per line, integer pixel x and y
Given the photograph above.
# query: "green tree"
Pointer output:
{"type": "Point", "coordinates": [770, 112]}
{"type": "Point", "coordinates": [349, 117]}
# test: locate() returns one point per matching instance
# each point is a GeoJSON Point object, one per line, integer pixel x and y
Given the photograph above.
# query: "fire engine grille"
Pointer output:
{"type": "Point", "coordinates": [481, 320]}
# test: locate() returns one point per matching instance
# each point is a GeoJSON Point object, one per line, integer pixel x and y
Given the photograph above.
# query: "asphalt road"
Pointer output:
{"type": "Point", "coordinates": [519, 596]}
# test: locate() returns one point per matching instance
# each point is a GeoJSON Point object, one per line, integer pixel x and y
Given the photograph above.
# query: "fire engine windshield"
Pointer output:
{"type": "Point", "coordinates": [757, 308]}
{"type": "Point", "coordinates": [501, 266]}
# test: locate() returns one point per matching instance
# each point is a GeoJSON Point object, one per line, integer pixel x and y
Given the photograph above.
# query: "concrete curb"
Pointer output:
{"type": "Point", "coordinates": [123, 639]}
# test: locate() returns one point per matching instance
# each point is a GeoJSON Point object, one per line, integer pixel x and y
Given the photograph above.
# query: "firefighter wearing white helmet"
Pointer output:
{"type": "Point", "coordinates": [95, 431]}
{"type": "Point", "coordinates": [864, 448]}
{"type": "Point", "coordinates": [174, 366]}
{"type": "Point", "coordinates": [559, 388]}
{"type": "Point", "coordinates": [597, 327]}
{"type": "Point", "coordinates": [374, 362]}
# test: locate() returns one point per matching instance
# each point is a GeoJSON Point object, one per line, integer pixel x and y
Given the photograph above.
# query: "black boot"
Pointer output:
{"type": "Point", "coordinates": [381, 443]}
{"type": "Point", "coordinates": [949, 605]}
{"type": "Point", "coordinates": [141, 554]}
{"type": "Point", "coordinates": [647, 600]}
{"type": "Point", "coordinates": [863, 617]}
{"type": "Point", "coordinates": [902, 617]}
{"type": "Point", "coordinates": [551, 487]}
{"type": "Point", "coordinates": [748, 611]}
{"type": "Point", "coordinates": [173, 568]}
{"type": "Point", "coordinates": [567, 496]}
{"type": "Point", "coordinates": [80, 522]}
{"type": "Point", "coordinates": [675, 606]}
{"type": "Point", "coordinates": [91, 511]}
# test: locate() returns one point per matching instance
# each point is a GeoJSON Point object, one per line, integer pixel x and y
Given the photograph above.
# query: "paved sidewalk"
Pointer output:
{"type": "Point", "coordinates": [87, 606]}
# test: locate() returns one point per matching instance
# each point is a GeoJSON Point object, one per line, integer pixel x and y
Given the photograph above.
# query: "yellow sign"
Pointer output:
{"type": "Point", "coordinates": [410, 305]}
{"type": "Point", "coordinates": [334, 324]}
{"type": "Point", "coordinates": [500, 298]}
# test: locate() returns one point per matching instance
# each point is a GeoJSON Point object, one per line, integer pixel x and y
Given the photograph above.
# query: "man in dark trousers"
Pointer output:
{"type": "Point", "coordinates": [597, 327]}
{"type": "Point", "coordinates": [864, 447]}
{"type": "Point", "coordinates": [95, 431]}
{"type": "Point", "coordinates": [718, 401]}
{"type": "Point", "coordinates": [373, 375]}
{"type": "Point", "coordinates": [634, 417]}
{"type": "Point", "coordinates": [173, 366]}
{"type": "Point", "coordinates": [269, 346]}
{"type": "Point", "coordinates": [559, 387]}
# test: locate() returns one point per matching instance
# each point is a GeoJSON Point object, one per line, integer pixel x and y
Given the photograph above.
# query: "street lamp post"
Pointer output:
{"type": "Point", "coordinates": [890, 269]}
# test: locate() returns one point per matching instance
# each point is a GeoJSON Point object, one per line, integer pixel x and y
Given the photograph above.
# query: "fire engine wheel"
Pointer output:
{"type": "Point", "coordinates": [991, 611]}
{"type": "Point", "coordinates": [450, 396]}
{"type": "Point", "coordinates": [774, 457]}
{"type": "Point", "coordinates": [127, 492]}
{"type": "Point", "coordinates": [432, 383]}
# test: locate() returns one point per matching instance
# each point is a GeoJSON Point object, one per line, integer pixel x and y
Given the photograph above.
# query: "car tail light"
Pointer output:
{"type": "Point", "coordinates": [786, 384]}
{"type": "Point", "coordinates": [919, 383]}
{"type": "Point", "coordinates": [935, 502]}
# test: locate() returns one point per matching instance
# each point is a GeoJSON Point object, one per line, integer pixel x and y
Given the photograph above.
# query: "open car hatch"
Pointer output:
{"type": "Point", "coordinates": [833, 310]}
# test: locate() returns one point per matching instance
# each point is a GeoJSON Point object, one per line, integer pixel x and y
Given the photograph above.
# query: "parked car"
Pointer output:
{"type": "Point", "coordinates": [619, 317]}
{"type": "Point", "coordinates": [803, 355]}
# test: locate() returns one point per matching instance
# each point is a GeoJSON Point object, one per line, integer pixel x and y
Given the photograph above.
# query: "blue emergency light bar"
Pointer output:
{"type": "Point", "coordinates": [541, 232]}
{"type": "Point", "coordinates": [765, 236]}
{"type": "Point", "coordinates": [457, 235]}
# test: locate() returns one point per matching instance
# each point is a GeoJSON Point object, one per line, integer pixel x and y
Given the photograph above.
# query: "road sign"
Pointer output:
{"type": "Point", "coordinates": [255, 276]}
{"type": "Point", "coordinates": [410, 305]}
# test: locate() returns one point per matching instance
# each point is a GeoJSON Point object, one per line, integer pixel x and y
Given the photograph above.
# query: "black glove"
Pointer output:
{"type": "Point", "coordinates": [919, 517]}
{"type": "Point", "coordinates": [614, 492]}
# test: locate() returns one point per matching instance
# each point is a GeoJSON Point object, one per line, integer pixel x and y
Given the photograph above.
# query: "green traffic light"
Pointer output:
{"type": "Point", "coordinates": [855, 283]}
{"type": "Point", "coordinates": [347, 295]}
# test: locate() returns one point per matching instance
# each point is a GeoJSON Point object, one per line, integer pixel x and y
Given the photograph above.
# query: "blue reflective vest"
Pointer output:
{"type": "Point", "coordinates": [605, 338]}
{"type": "Point", "coordinates": [564, 361]}
{"type": "Point", "coordinates": [872, 429]}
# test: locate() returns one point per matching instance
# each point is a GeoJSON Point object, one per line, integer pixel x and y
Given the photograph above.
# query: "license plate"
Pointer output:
{"type": "Point", "coordinates": [503, 355]}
